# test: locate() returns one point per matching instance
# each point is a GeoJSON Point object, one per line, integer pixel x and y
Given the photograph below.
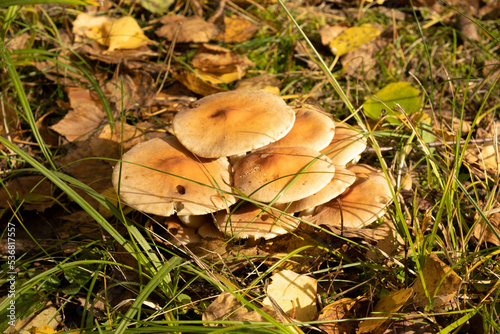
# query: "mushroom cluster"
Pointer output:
{"type": "Point", "coordinates": [252, 163]}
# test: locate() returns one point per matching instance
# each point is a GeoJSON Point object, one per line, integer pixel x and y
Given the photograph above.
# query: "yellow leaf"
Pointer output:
{"type": "Point", "coordinates": [46, 329]}
{"type": "Point", "coordinates": [125, 33]}
{"type": "Point", "coordinates": [386, 306]}
{"type": "Point", "coordinates": [294, 293]}
{"type": "Point", "coordinates": [218, 79]}
{"type": "Point", "coordinates": [352, 38]}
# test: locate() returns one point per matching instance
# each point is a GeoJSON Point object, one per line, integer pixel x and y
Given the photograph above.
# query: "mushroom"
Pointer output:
{"type": "Point", "coordinates": [232, 123]}
{"type": "Point", "coordinates": [161, 177]}
{"type": "Point", "coordinates": [250, 221]}
{"type": "Point", "coordinates": [363, 203]}
{"type": "Point", "coordinates": [285, 173]}
{"type": "Point", "coordinates": [312, 128]}
{"type": "Point", "coordinates": [342, 179]}
{"type": "Point", "coordinates": [346, 146]}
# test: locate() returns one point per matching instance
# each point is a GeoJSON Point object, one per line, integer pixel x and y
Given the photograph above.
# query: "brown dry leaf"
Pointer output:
{"type": "Point", "coordinates": [19, 42]}
{"type": "Point", "coordinates": [264, 81]}
{"type": "Point", "coordinates": [237, 29]}
{"type": "Point", "coordinates": [107, 142]}
{"type": "Point", "coordinates": [227, 307]}
{"type": "Point", "coordinates": [385, 307]}
{"type": "Point", "coordinates": [483, 232]}
{"type": "Point", "coordinates": [412, 323]}
{"type": "Point", "coordinates": [338, 310]}
{"type": "Point", "coordinates": [195, 83]}
{"type": "Point", "coordinates": [186, 29]}
{"type": "Point", "coordinates": [129, 91]}
{"type": "Point", "coordinates": [294, 293]}
{"type": "Point", "coordinates": [218, 60]}
{"type": "Point", "coordinates": [88, 27]}
{"type": "Point", "coordinates": [329, 33]}
{"type": "Point", "coordinates": [433, 272]}
{"type": "Point", "coordinates": [36, 192]}
{"type": "Point", "coordinates": [360, 63]}
{"type": "Point", "coordinates": [302, 52]}
{"type": "Point", "coordinates": [80, 122]}
{"type": "Point", "coordinates": [84, 119]}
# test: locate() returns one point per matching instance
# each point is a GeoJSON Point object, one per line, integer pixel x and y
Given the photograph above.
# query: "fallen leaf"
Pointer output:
{"type": "Point", "coordinates": [227, 307]}
{"type": "Point", "coordinates": [80, 122]}
{"type": "Point", "coordinates": [294, 293]}
{"type": "Point", "coordinates": [35, 191]}
{"type": "Point", "coordinates": [329, 33]}
{"type": "Point", "coordinates": [352, 38]}
{"type": "Point", "coordinates": [195, 83]}
{"type": "Point", "coordinates": [402, 93]}
{"type": "Point", "coordinates": [107, 143]}
{"type": "Point", "coordinates": [263, 81]}
{"type": "Point", "coordinates": [156, 6]}
{"type": "Point", "coordinates": [186, 29]}
{"type": "Point", "coordinates": [218, 60]}
{"type": "Point", "coordinates": [339, 313]}
{"type": "Point", "coordinates": [385, 307]}
{"type": "Point", "coordinates": [125, 33]}
{"type": "Point", "coordinates": [361, 63]}
{"type": "Point", "coordinates": [88, 27]}
{"type": "Point", "coordinates": [237, 29]}
{"type": "Point", "coordinates": [412, 323]}
{"type": "Point", "coordinates": [441, 283]}
{"type": "Point", "coordinates": [482, 230]}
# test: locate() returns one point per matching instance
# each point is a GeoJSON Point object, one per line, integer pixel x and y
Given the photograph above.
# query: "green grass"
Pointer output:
{"type": "Point", "coordinates": [172, 286]}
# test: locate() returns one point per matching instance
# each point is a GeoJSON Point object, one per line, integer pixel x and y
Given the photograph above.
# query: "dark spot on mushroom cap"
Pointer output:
{"type": "Point", "coordinates": [221, 112]}
{"type": "Point", "coordinates": [264, 217]}
{"type": "Point", "coordinates": [181, 190]}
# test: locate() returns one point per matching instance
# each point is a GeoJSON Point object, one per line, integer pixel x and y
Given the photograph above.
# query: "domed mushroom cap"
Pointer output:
{"type": "Point", "coordinates": [265, 173]}
{"type": "Point", "coordinates": [347, 145]}
{"type": "Point", "coordinates": [231, 123]}
{"type": "Point", "coordinates": [161, 177]}
{"type": "Point", "coordinates": [340, 182]}
{"type": "Point", "coordinates": [363, 203]}
{"type": "Point", "coordinates": [249, 221]}
{"type": "Point", "coordinates": [312, 129]}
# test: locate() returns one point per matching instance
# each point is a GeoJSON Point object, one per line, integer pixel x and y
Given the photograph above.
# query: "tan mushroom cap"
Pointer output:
{"type": "Point", "coordinates": [265, 173]}
{"type": "Point", "coordinates": [346, 146]}
{"type": "Point", "coordinates": [249, 221]}
{"type": "Point", "coordinates": [363, 203]}
{"type": "Point", "coordinates": [312, 129]}
{"type": "Point", "coordinates": [181, 183]}
{"type": "Point", "coordinates": [342, 179]}
{"type": "Point", "coordinates": [232, 123]}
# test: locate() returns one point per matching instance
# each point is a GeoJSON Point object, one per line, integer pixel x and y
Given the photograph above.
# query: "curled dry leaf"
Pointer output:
{"type": "Point", "coordinates": [338, 310]}
{"type": "Point", "coordinates": [294, 293]}
{"type": "Point", "coordinates": [217, 64]}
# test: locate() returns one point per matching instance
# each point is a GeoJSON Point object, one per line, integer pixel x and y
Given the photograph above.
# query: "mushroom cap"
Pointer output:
{"type": "Point", "coordinates": [363, 203]}
{"type": "Point", "coordinates": [171, 230]}
{"type": "Point", "coordinates": [265, 173]}
{"type": "Point", "coordinates": [161, 177]}
{"type": "Point", "coordinates": [347, 145]}
{"type": "Point", "coordinates": [249, 221]}
{"type": "Point", "coordinates": [231, 123]}
{"type": "Point", "coordinates": [312, 128]}
{"type": "Point", "coordinates": [342, 179]}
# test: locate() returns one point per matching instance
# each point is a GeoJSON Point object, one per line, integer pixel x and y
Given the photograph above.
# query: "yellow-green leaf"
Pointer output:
{"type": "Point", "coordinates": [401, 93]}
{"type": "Point", "coordinates": [352, 38]}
